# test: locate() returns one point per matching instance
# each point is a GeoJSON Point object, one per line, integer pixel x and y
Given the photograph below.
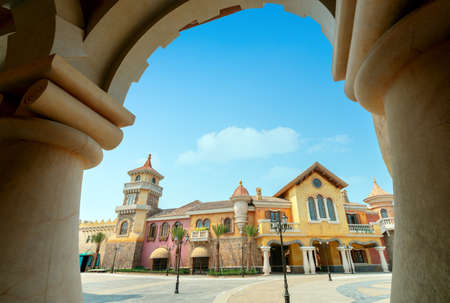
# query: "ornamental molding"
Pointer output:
{"type": "Point", "coordinates": [280, 204]}
{"type": "Point", "coordinates": [167, 218]}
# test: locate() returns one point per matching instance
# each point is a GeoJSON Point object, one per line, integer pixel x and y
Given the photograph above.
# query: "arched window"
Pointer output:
{"type": "Point", "coordinates": [312, 209]}
{"type": "Point", "coordinates": [321, 205]}
{"type": "Point", "coordinates": [152, 232]}
{"type": "Point", "coordinates": [330, 208]}
{"type": "Point", "coordinates": [138, 178]}
{"type": "Point", "coordinates": [131, 198]}
{"type": "Point", "coordinates": [88, 239]}
{"type": "Point", "coordinates": [153, 180]}
{"type": "Point", "coordinates": [227, 224]}
{"type": "Point", "coordinates": [198, 224]}
{"type": "Point", "coordinates": [165, 230]}
{"type": "Point", "coordinates": [383, 213]}
{"type": "Point", "coordinates": [124, 228]}
{"type": "Point", "coordinates": [206, 223]}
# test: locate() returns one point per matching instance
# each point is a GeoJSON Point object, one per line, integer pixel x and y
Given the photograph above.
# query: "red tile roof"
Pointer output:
{"type": "Point", "coordinates": [146, 167]}
{"type": "Point", "coordinates": [240, 191]}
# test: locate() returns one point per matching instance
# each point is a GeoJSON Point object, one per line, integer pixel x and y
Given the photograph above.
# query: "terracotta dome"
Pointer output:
{"type": "Point", "coordinates": [240, 190]}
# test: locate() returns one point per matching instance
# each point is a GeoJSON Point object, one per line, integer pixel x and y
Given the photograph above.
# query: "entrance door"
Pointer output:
{"type": "Point", "coordinates": [159, 264]}
{"type": "Point", "coordinates": [84, 263]}
{"type": "Point", "coordinates": [200, 265]}
{"type": "Point", "coordinates": [276, 263]}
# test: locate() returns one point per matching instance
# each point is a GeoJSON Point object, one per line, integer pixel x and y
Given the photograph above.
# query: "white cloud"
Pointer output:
{"type": "Point", "coordinates": [234, 143]}
{"type": "Point", "coordinates": [334, 144]}
{"type": "Point", "coordinates": [277, 173]}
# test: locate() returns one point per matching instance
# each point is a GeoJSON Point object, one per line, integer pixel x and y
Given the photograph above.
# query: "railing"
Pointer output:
{"type": "Point", "coordinates": [361, 228]}
{"type": "Point", "coordinates": [199, 236]}
{"type": "Point", "coordinates": [144, 185]}
{"type": "Point", "coordinates": [387, 224]}
{"type": "Point", "coordinates": [269, 227]}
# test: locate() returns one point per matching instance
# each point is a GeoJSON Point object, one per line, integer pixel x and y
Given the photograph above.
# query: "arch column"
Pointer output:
{"type": "Point", "coordinates": [406, 78]}
{"type": "Point", "coordinates": [312, 264]}
{"type": "Point", "coordinates": [305, 260]}
{"type": "Point", "coordinates": [344, 259]}
{"type": "Point", "coordinates": [384, 264]}
{"type": "Point", "coordinates": [266, 264]}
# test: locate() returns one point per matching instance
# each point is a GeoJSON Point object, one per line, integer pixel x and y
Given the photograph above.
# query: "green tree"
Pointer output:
{"type": "Point", "coordinates": [178, 234]}
{"type": "Point", "coordinates": [219, 230]}
{"type": "Point", "coordinates": [251, 232]}
{"type": "Point", "coordinates": [98, 238]}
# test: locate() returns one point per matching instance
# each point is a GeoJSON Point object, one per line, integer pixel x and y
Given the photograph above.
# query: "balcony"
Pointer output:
{"type": "Point", "coordinates": [386, 224]}
{"type": "Point", "coordinates": [361, 228]}
{"type": "Point", "coordinates": [267, 227]}
{"type": "Point", "coordinates": [142, 185]}
{"type": "Point", "coordinates": [131, 209]}
{"type": "Point", "coordinates": [199, 236]}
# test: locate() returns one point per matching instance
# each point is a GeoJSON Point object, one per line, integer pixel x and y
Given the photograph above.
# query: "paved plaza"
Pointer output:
{"type": "Point", "coordinates": [358, 288]}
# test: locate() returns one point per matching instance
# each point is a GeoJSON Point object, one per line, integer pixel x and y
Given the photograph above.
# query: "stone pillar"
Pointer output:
{"type": "Point", "coordinates": [406, 78]}
{"type": "Point", "coordinates": [312, 264]}
{"type": "Point", "coordinates": [384, 264]}
{"type": "Point", "coordinates": [305, 260]}
{"type": "Point", "coordinates": [350, 259]}
{"type": "Point", "coordinates": [344, 259]}
{"type": "Point", "coordinates": [266, 265]}
{"type": "Point", "coordinates": [42, 166]}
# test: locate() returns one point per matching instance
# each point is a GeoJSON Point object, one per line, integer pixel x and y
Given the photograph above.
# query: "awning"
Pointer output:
{"type": "Point", "coordinates": [199, 252]}
{"type": "Point", "coordinates": [160, 253]}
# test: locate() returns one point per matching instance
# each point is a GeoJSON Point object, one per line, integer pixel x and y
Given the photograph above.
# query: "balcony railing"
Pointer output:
{"type": "Point", "coordinates": [199, 236]}
{"type": "Point", "coordinates": [143, 185]}
{"type": "Point", "coordinates": [266, 227]}
{"type": "Point", "coordinates": [387, 224]}
{"type": "Point", "coordinates": [361, 228]}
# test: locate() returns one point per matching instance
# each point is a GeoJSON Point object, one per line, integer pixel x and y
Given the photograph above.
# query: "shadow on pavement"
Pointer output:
{"type": "Point", "coordinates": [93, 298]}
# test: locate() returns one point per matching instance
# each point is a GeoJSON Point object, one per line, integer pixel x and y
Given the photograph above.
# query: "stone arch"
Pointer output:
{"type": "Point", "coordinates": [323, 240]}
{"type": "Point", "coordinates": [116, 70]}
{"type": "Point", "coordinates": [366, 244]}
{"type": "Point", "coordinates": [285, 243]}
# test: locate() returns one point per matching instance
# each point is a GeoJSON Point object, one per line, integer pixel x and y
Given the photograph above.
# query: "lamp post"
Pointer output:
{"type": "Point", "coordinates": [116, 249]}
{"type": "Point", "coordinates": [326, 258]}
{"type": "Point", "coordinates": [281, 226]}
{"type": "Point", "coordinates": [180, 243]}
{"type": "Point", "coordinates": [242, 258]}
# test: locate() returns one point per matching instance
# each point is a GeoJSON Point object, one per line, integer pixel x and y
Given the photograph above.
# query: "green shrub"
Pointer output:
{"type": "Point", "coordinates": [140, 269]}
{"type": "Point", "coordinates": [231, 272]}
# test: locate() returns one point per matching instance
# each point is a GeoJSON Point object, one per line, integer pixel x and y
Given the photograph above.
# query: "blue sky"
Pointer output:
{"type": "Point", "coordinates": [249, 96]}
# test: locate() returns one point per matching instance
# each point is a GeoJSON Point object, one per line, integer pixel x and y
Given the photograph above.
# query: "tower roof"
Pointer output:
{"type": "Point", "coordinates": [240, 190]}
{"type": "Point", "coordinates": [146, 168]}
{"type": "Point", "coordinates": [377, 190]}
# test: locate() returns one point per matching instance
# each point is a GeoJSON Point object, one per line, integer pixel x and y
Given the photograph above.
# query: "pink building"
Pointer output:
{"type": "Point", "coordinates": [159, 249]}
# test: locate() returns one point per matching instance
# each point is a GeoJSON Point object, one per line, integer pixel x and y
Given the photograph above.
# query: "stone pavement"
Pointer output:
{"type": "Point", "coordinates": [358, 288]}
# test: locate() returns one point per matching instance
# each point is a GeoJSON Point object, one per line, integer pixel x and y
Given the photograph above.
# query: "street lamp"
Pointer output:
{"type": "Point", "coordinates": [116, 249]}
{"type": "Point", "coordinates": [242, 258]}
{"type": "Point", "coordinates": [180, 243]}
{"type": "Point", "coordinates": [281, 226]}
{"type": "Point", "coordinates": [326, 258]}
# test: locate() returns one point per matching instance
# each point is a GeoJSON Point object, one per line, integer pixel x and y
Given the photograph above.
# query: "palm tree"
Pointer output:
{"type": "Point", "coordinates": [178, 234]}
{"type": "Point", "coordinates": [97, 239]}
{"type": "Point", "coordinates": [251, 232]}
{"type": "Point", "coordinates": [219, 230]}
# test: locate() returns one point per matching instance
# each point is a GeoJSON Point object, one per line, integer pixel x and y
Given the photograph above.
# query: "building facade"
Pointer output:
{"type": "Point", "coordinates": [323, 229]}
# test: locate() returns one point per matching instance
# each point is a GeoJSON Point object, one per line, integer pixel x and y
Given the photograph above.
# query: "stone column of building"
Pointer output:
{"type": "Point", "coordinates": [351, 265]}
{"type": "Point", "coordinates": [312, 264]}
{"type": "Point", "coordinates": [305, 260]}
{"type": "Point", "coordinates": [344, 259]}
{"type": "Point", "coordinates": [266, 264]}
{"type": "Point", "coordinates": [384, 264]}
{"type": "Point", "coordinates": [405, 77]}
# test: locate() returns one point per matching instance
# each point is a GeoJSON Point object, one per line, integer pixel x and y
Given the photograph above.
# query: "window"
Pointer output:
{"type": "Point", "coordinates": [152, 232]}
{"type": "Point", "coordinates": [198, 224]}
{"type": "Point", "coordinates": [312, 209]}
{"type": "Point", "coordinates": [274, 216]}
{"type": "Point", "coordinates": [206, 223]}
{"type": "Point", "coordinates": [177, 224]}
{"type": "Point", "coordinates": [359, 256]}
{"type": "Point", "coordinates": [330, 208]}
{"type": "Point", "coordinates": [124, 228]}
{"type": "Point", "coordinates": [321, 205]}
{"type": "Point", "coordinates": [131, 198]}
{"type": "Point", "coordinates": [227, 224]}
{"type": "Point", "coordinates": [164, 230]}
{"type": "Point", "coordinates": [317, 183]}
{"type": "Point", "coordinates": [153, 180]}
{"type": "Point", "coordinates": [383, 213]}
{"type": "Point", "coordinates": [88, 239]}
{"type": "Point", "coordinates": [138, 178]}
{"type": "Point", "coordinates": [353, 219]}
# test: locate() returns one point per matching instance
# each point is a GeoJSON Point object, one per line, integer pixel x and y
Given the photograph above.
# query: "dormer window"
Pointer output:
{"type": "Point", "coordinates": [138, 178]}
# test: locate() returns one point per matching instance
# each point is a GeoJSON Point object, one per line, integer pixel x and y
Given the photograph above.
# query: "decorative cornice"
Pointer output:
{"type": "Point", "coordinates": [168, 218]}
{"type": "Point", "coordinates": [131, 209]}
